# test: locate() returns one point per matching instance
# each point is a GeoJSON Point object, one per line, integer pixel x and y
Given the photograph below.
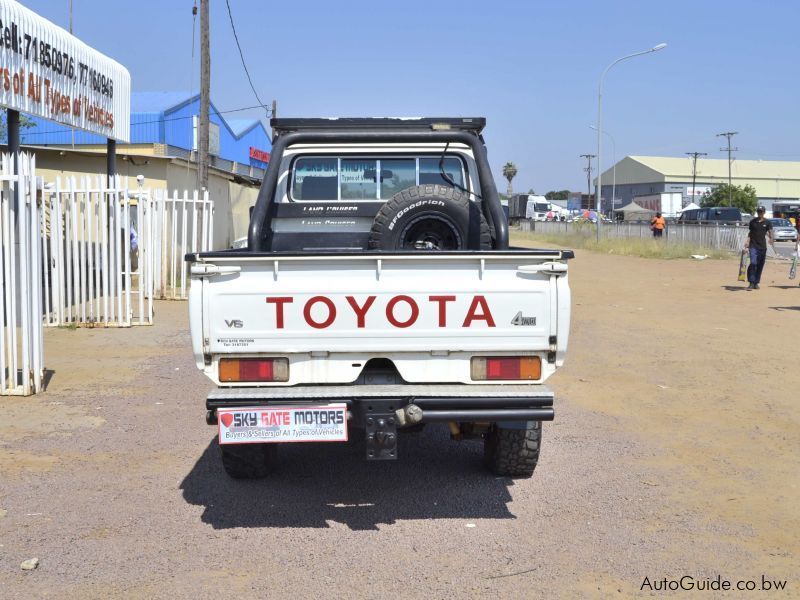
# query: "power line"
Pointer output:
{"type": "Point", "coordinates": [191, 66]}
{"type": "Point", "coordinates": [694, 156]}
{"type": "Point", "coordinates": [729, 135]}
{"type": "Point", "coordinates": [588, 169]}
{"type": "Point", "coordinates": [203, 160]}
{"type": "Point", "coordinates": [241, 55]}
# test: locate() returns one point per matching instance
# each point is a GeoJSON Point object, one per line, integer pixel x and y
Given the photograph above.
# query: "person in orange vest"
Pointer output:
{"type": "Point", "coordinates": [658, 224]}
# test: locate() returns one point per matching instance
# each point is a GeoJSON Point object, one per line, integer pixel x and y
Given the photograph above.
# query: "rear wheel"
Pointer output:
{"type": "Point", "coordinates": [513, 452]}
{"type": "Point", "coordinates": [248, 461]}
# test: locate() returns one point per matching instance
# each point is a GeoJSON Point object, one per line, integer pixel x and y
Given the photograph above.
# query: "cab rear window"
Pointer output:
{"type": "Point", "coordinates": [329, 178]}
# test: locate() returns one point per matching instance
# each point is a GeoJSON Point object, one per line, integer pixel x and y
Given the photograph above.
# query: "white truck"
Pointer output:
{"type": "Point", "coordinates": [378, 294]}
{"type": "Point", "coordinates": [541, 209]}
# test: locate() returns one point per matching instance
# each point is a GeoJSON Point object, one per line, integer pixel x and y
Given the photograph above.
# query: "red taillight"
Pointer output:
{"type": "Point", "coordinates": [233, 370]}
{"type": "Point", "coordinates": [502, 368]}
{"type": "Point", "coordinates": [255, 370]}
{"type": "Point", "coordinates": [505, 368]}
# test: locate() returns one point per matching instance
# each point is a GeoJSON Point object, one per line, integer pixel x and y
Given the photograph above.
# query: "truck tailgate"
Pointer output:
{"type": "Point", "coordinates": [515, 301]}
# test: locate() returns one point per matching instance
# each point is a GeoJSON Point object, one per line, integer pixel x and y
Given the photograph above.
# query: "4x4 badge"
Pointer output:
{"type": "Point", "coordinates": [523, 321]}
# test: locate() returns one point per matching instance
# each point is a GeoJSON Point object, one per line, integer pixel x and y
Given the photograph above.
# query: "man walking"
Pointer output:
{"type": "Point", "coordinates": [760, 229]}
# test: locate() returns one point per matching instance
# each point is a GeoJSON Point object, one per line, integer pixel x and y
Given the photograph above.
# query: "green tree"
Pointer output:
{"type": "Point", "coordinates": [509, 172]}
{"type": "Point", "coordinates": [560, 195]}
{"type": "Point", "coordinates": [743, 198]}
{"type": "Point", "coordinates": [24, 123]}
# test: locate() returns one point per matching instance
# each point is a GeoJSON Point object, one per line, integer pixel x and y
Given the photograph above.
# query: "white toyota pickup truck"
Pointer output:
{"type": "Point", "coordinates": [377, 294]}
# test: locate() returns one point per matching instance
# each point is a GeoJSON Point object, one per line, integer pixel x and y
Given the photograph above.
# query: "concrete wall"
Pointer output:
{"type": "Point", "coordinates": [242, 198]}
{"type": "Point", "coordinates": [179, 178]}
{"type": "Point", "coordinates": [625, 193]}
{"type": "Point", "coordinates": [51, 164]}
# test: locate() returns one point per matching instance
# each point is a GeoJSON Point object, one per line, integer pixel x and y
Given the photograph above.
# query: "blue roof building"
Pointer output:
{"type": "Point", "coordinates": [167, 120]}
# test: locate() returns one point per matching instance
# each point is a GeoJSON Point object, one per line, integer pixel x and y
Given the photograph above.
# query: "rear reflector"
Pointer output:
{"type": "Point", "coordinates": [253, 369]}
{"type": "Point", "coordinates": [505, 368]}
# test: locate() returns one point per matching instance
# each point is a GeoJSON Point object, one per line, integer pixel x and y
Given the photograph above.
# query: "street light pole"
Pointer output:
{"type": "Point", "coordinates": [600, 125]}
{"type": "Point", "coordinates": [613, 170]}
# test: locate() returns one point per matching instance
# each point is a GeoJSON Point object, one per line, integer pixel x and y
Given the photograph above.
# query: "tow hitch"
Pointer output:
{"type": "Point", "coordinates": [381, 430]}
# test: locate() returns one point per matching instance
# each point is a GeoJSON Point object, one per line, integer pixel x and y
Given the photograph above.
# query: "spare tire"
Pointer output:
{"type": "Point", "coordinates": [430, 217]}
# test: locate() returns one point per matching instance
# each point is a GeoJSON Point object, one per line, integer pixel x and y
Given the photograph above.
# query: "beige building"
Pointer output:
{"type": "Point", "coordinates": [644, 175]}
{"type": "Point", "coordinates": [164, 168]}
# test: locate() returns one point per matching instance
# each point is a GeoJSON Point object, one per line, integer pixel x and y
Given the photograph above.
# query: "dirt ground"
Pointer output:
{"type": "Point", "coordinates": [675, 451]}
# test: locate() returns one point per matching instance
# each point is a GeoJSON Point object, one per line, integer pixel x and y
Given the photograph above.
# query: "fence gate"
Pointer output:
{"type": "Point", "coordinates": [21, 347]}
{"type": "Point", "coordinates": [98, 254]}
{"type": "Point", "coordinates": [183, 223]}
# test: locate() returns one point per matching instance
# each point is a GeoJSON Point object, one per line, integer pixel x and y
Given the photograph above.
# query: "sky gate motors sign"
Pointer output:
{"type": "Point", "coordinates": [282, 424]}
{"type": "Point", "coordinates": [48, 72]}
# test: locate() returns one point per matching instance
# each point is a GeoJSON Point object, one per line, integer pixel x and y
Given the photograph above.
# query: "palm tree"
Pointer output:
{"type": "Point", "coordinates": [509, 172]}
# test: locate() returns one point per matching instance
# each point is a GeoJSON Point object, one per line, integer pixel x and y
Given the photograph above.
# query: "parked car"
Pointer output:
{"type": "Point", "coordinates": [710, 215]}
{"type": "Point", "coordinates": [783, 231]}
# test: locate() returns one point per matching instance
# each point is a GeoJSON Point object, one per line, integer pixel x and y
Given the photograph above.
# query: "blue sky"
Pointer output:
{"type": "Point", "coordinates": [531, 68]}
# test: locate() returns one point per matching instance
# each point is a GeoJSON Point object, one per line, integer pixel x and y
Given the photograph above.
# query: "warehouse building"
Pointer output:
{"type": "Point", "coordinates": [645, 175]}
{"type": "Point", "coordinates": [163, 148]}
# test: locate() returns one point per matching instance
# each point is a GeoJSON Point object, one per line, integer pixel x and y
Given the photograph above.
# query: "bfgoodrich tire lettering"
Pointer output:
{"type": "Point", "coordinates": [513, 452]}
{"type": "Point", "coordinates": [430, 217]}
{"type": "Point", "coordinates": [248, 461]}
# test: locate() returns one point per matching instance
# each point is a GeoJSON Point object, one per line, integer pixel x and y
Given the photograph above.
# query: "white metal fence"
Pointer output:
{"type": "Point", "coordinates": [82, 252]}
{"type": "Point", "coordinates": [21, 344]}
{"type": "Point", "coordinates": [184, 223]}
{"type": "Point", "coordinates": [722, 237]}
{"type": "Point", "coordinates": [98, 254]}
{"type": "Point", "coordinates": [109, 251]}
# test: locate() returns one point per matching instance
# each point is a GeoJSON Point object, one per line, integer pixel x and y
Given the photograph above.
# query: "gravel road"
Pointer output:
{"type": "Point", "coordinates": [675, 451]}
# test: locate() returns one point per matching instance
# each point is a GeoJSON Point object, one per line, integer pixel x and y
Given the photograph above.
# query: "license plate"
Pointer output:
{"type": "Point", "coordinates": [283, 424]}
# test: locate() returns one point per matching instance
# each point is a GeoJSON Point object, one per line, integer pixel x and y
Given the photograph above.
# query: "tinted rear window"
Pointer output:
{"type": "Point", "coordinates": [429, 171]}
{"type": "Point", "coordinates": [724, 214]}
{"type": "Point", "coordinates": [351, 178]}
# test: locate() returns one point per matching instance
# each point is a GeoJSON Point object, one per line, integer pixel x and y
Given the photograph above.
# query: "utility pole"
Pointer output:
{"type": "Point", "coordinates": [694, 156]}
{"type": "Point", "coordinates": [274, 109]}
{"type": "Point", "coordinates": [588, 169]}
{"type": "Point", "coordinates": [205, 85]}
{"type": "Point", "coordinates": [729, 135]}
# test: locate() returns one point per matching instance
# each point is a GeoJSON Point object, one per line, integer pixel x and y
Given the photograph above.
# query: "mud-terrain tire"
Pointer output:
{"type": "Point", "coordinates": [430, 217]}
{"type": "Point", "coordinates": [513, 452]}
{"type": "Point", "coordinates": [248, 461]}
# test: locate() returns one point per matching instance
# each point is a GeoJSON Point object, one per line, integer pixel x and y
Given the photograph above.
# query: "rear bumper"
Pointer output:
{"type": "Point", "coordinates": [445, 402]}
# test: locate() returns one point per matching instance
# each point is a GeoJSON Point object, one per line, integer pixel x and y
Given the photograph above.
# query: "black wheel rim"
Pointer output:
{"type": "Point", "coordinates": [430, 232]}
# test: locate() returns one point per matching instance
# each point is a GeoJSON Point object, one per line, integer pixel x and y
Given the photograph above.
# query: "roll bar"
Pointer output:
{"type": "Point", "coordinates": [261, 220]}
